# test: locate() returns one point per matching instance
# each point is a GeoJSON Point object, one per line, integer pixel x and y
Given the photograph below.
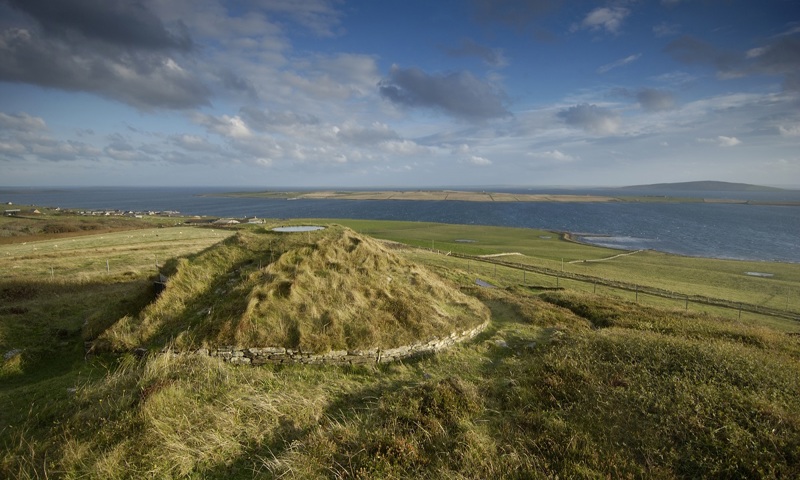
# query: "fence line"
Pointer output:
{"type": "Point", "coordinates": [630, 287]}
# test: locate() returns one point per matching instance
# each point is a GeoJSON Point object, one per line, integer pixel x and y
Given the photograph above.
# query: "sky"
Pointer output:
{"type": "Point", "coordinates": [387, 93]}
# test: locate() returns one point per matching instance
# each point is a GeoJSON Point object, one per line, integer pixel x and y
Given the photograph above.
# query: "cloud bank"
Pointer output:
{"type": "Point", "coordinates": [116, 49]}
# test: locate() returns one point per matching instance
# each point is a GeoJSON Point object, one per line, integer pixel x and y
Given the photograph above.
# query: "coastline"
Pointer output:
{"type": "Point", "coordinates": [419, 195]}
{"type": "Point", "coordinates": [483, 196]}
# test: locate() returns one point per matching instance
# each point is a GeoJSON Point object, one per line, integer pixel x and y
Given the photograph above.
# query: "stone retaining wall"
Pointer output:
{"type": "Point", "coordinates": [263, 355]}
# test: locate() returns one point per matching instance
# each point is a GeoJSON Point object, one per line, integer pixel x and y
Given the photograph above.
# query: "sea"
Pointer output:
{"type": "Point", "coordinates": [715, 230]}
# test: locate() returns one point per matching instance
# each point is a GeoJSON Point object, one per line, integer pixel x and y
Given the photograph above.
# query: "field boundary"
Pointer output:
{"type": "Point", "coordinates": [279, 355]}
{"type": "Point", "coordinates": [701, 299]}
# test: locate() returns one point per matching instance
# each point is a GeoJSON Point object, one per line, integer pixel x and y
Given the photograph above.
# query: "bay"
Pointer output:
{"type": "Point", "coordinates": [717, 230]}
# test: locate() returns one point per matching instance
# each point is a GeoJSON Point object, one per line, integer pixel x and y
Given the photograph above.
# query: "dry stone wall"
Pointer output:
{"type": "Point", "coordinates": [277, 355]}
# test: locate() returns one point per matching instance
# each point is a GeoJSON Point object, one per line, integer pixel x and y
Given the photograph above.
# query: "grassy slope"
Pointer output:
{"type": "Point", "coordinates": [724, 279]}
{"type": "Point", "coordinates": [326, 290]}
{"type": "Point", "coordinates": [564, 383]}
{"type": "Point", "coordinates": [568, 385]}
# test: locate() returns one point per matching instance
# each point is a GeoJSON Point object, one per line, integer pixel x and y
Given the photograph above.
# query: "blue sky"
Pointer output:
{"type": "Point", "coordinates": [279, 93]}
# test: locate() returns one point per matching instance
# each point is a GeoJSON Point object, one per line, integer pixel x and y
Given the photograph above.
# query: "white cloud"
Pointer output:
{"type": "Point", "coordinates": [194, 143]}
{"type": "Point", "coordinates": [479, 161]}
{"type": "Point", "coordinates": [665, 29]}
{"type": "Point", "coordinates": [728, 141]}
{"type": "Point", "coordinates": [56, 150]}
{"type": "Point", "coordinates": [460, 149]}
{"type": "Point", "coordinates": [402, 147]}
{"type": "Point", "coordinates": [225, 125]}
{"type": "Point", "coordinates": [619, 63]}
{"type": "Point", "coordinates": [756, 52]}
{"type": "Point", "coordinates": [21, 121]}
{"type": "Point", "coordinates": [592, 118]}
{"type": "Point", "coordinates": [790, 131]}
{"type": "Point", "coordinates": [15, 148]}
{"type": "Point", "coordinates": [677, 77]}
{"type": "Point", "coordinates": [721, 141]}
{"type": "Point", "coordinates": [554, 155]}
{"type": "Point", "coordinates": [351, 132]}
{"type": "Point", "coordinates": [604, 18]}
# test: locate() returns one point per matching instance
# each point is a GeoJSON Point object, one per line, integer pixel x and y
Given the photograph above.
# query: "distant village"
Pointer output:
{"type": "Point", "coordinates": [135, 214]}
{"type": "Point", "coordinates": [130, 213]}
{"type": "Point", "coordinates": [93, 213]}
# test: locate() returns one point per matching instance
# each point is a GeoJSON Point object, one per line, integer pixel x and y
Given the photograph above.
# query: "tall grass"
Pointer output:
{"type": "Point", "coordinates": [567, 399]}
{"type": "Point", "coordinates": [565, 384]}
{"type": "Point", "coordinates": [331, 291]}
{"type": "Point", "coordinates": [561, 384]}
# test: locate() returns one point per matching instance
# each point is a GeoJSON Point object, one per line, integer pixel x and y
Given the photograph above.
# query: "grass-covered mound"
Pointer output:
{"type": "Point", "coordinates": [560, 385]}
{"type": "Point", "coordinates": [317, 291]}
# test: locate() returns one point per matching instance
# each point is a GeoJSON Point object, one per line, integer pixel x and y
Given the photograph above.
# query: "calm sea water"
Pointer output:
{"type": "Point", "coordinates": [750, 232]}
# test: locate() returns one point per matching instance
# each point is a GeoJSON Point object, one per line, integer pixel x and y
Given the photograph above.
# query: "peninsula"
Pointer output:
{"type": "Point", "coordinates": [694, 195]}
{"type": "Point", "coordinates": [431, 195]}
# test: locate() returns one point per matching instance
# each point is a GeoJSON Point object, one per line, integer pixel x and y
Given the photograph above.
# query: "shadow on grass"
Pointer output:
{"type": "Point", "coordinates": [48, 322]}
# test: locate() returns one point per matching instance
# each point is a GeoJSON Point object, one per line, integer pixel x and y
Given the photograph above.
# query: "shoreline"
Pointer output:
{"type": "Point", "coordinates": [418, 195]}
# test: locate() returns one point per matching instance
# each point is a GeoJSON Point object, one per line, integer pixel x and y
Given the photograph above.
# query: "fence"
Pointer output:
{"type": "Point", "coordinates": [550, 278]}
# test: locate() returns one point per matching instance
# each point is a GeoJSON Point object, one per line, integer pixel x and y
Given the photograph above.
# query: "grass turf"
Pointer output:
{"type": "Point", "coordinates": [563, 383]}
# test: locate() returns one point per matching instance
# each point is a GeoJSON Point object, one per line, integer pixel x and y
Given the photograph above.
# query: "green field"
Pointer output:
{"type": "Point", "coordinates": [719, 279]}
{"type": "Point", "coordinates": [576, 377]}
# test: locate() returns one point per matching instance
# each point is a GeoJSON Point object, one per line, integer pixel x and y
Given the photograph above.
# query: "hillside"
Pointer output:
{"type": "Point", "coordinates": [571, 379]}
{"type": "Point", "coordinates": [708, 185]}
{"type": "Point", "coordinates": [331, 289]}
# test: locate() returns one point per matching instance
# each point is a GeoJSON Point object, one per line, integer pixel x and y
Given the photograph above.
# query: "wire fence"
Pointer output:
{"type": "Point", "coordinates": [546, 278]}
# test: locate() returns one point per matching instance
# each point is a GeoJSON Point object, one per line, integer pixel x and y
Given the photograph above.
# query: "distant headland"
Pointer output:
{"type": "Point", "coordinates": [685, 192]}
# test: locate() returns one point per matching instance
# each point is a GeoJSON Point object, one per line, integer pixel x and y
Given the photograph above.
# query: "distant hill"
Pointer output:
{"type": "Point", "coordinates": [708, 185]}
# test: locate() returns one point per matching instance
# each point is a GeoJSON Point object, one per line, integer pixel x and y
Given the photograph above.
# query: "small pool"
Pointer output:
{"type": "Point", "coordinates": [298, 228]}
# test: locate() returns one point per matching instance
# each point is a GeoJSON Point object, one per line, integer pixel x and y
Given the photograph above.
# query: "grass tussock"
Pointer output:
{"type": "Point", "coordinates": [163, 417]}
{"type": "Point", "coordinates": [333, 289]}
{"type": "Point", "coordinates": [565, 400]}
